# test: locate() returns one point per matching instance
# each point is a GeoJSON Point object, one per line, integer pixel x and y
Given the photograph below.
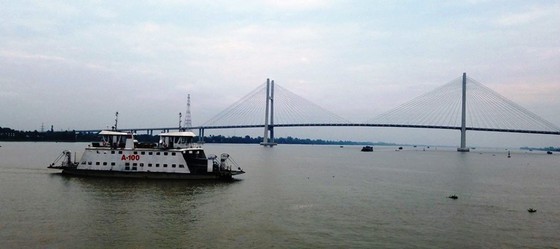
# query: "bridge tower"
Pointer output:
{"type": "Point", "coordinates": [464, 147]}
{"type": "Point", "coordinates": [268, 138]}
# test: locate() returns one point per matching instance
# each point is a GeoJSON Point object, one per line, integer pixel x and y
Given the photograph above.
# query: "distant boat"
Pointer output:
{"type": "Point", "coordinates": [454, 197]}
{"type": "Point", "coordinates": [531, 210]}
{"type": "Point", "coordinates": [367, 148]}
{"type": "Point", "coordinates": [548, 152]}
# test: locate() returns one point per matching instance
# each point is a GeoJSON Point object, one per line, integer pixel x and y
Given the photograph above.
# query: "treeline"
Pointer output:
{"type": "Point", "coordinates": [287, 140]}
{"type": "Point", "coordinates": [7, 134]}
{"type": "Point", "coordinates": [543, 148]}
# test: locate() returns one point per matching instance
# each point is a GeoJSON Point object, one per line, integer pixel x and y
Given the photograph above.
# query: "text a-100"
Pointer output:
{"type": "Point", "coordinates": [130, 157]}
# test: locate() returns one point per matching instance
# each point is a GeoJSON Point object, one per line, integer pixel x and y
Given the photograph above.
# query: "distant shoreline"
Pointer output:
{"type": "Point", "coordinates": [10, 135]}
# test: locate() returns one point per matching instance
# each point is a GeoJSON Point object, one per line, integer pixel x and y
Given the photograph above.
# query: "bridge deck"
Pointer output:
{"type": "Point", "coordinates": [343, 125]}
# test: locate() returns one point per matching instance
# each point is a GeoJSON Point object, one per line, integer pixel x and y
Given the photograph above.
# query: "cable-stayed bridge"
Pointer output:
{"type": "Point", "coordinates": [462, 104]}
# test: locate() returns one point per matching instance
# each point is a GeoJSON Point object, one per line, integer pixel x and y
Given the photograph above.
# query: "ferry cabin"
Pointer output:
{"type": "Point", "coordinates": [118, 151]}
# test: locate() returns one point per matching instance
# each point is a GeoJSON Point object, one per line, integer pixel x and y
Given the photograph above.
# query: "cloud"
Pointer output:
{"type": "Point", "coordinates": [298, 4]}
{"type": "Point", "coordinates": [534, 14]}
{"type": "Point", "coordinates": [18, 55]}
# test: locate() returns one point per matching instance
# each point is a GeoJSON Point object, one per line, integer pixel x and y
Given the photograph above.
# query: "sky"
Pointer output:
{"type": "Point", "coordinates": [73, 64]}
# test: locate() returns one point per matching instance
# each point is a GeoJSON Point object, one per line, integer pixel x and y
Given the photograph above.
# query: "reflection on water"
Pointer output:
{"type": "Point", "coordinates": [291, 196]}
{"type": "Point", "coordinates": [147, 212]}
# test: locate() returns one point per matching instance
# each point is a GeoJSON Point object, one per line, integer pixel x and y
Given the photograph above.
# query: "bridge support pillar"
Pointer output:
{"type": "Point", "coordinates": [268, 138]}
{"type": "Point", "coordinates": [201, 135]}
{"type": "Point", "coordinates": [464, 147]}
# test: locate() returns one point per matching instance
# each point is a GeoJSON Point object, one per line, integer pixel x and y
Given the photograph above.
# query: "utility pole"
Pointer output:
{"type": "Point", "coordinates": [188, 119]}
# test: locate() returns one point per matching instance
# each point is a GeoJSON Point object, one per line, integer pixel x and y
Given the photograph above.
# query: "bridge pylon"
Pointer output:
{"type": "Point", "coordinates": [464, 147]}
{"type": "Point", "coordinates": [268, 138]}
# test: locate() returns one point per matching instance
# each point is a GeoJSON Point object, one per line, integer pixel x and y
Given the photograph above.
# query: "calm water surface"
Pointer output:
{"type": "Point", "coordinates": [290, 197]}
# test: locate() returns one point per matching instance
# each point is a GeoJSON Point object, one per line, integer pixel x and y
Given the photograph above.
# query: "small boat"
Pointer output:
{"type": "Point", "coordinates": [367, 148]}
{"type": "Point", "coordinates": [176, 156]}
{"type": "Point", "coordinates": [454, 197]}
{"type": "Point", "coordinates": [531, 210]}
{"type": "Point", "coordinates": [549, 152]}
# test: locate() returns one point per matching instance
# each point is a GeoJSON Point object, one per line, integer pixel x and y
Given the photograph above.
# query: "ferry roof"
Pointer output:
{"type": "Point", "coordinates": [113, 133]}
{"type": "Point", "coordinates": [178, 134]}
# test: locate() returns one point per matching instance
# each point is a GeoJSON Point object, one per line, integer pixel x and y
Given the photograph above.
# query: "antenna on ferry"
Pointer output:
{"type": "Point", "coordinates": [116, 120]}
{"type": "Point", "coordinates": [180, 116]}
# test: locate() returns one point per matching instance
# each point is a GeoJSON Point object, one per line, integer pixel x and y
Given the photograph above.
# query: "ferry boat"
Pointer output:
{"type": "Point", "coordinates": [175, 156]}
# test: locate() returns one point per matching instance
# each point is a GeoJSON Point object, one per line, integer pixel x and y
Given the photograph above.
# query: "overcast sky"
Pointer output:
{"type": "Point", "coordinates": [72, 64]}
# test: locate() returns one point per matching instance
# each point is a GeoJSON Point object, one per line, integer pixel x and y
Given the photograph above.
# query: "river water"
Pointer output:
{"type": "Point", "coordinates": [291, 197]}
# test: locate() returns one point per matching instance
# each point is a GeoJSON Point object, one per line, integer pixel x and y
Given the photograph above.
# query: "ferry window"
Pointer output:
{"type": "Point", "coordinates": [136, 152]}
{"type": "Point", "coordinates": [112, 163]}
{"type": "Point", "coordinates": [120, 151]}
{"type": "Point", "coordinates": [134, 164]}
{"type": "Point", "coordinates": [104, 163]}
{"type": "Point", "coordinates": [165, 153]}
{"type": "Point", "coordinates": [190, 151]}
{"type": "Point", "coordinates": [84, 162]}
{"type": "Point", "coordinates": [126, 168]}
{"type": "Point", "coordinates": [181, 166]}
{"type": "Point", "coordinates": [150, 153]}
{"type": "Point", "coordinates": [157, 153]}
{"type": "Point", "coordinates": [127, 164]}
{"type": "Point", "coordinates": [149, 165]}
{"type": "Point", "coordinates": [142, 153]}
{"type": "Point", "coordinates": [88, 163]}
{"type": "Point", "coordinates": [174, 165]}
{"type": "Point", "coordinates": [141, 164]}
{"type": "Point", "coordinates": [157, 165]}
{"type": "Point", "coordinates": [96, 163]}
{"type": "Point", "coordinates": [112, 152]}
{"type": "Point", "coordinates": [165, 165]}
{"type": "Point", "coordinates": [173, 153]}
{"type": "Point", "coordinates": [134, 168]}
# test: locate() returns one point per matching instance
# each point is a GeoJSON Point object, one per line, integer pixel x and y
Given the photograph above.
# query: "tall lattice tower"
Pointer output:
{"type": "Point", "coordinates": [188, 120]}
